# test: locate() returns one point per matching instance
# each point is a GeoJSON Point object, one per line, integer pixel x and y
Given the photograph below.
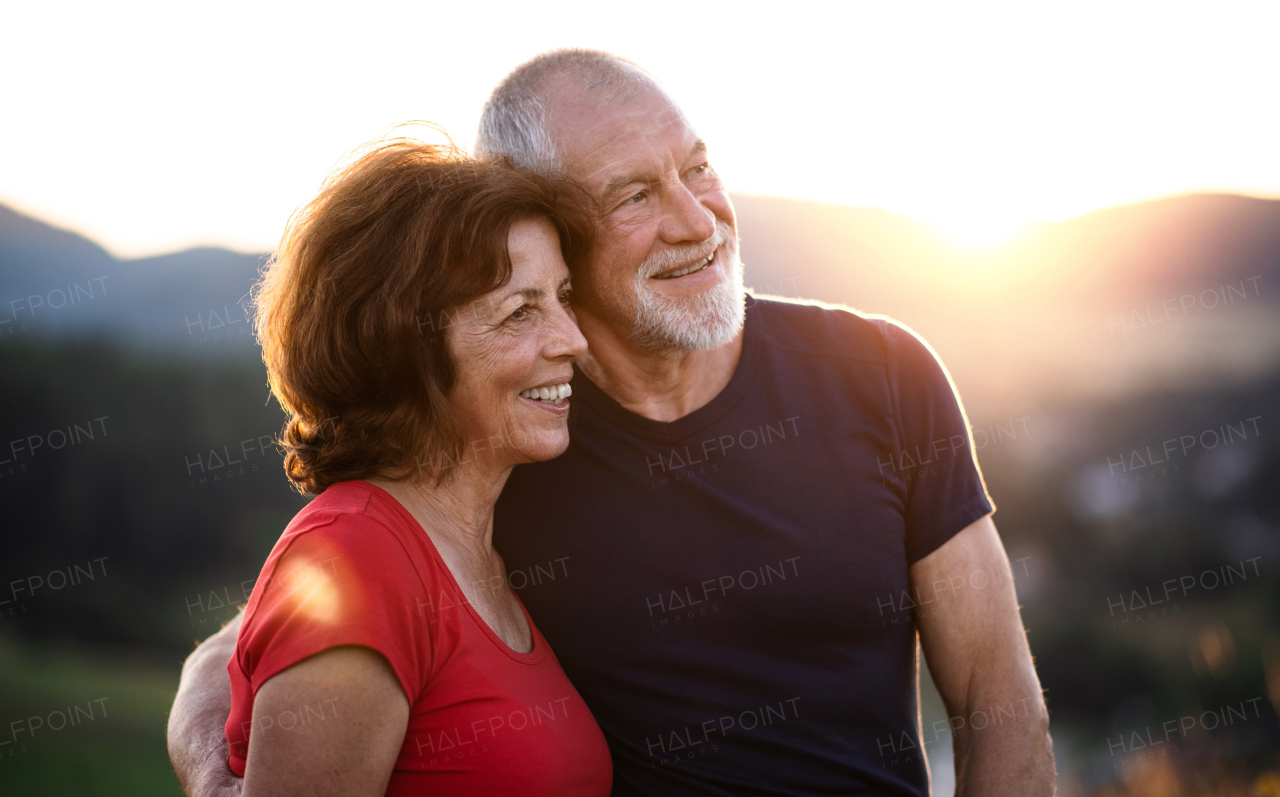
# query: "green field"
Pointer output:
{"type": "Point", "coordinates": [84, 723]}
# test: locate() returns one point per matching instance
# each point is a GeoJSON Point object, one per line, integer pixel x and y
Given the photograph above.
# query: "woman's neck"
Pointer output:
{"type": "Point", "coordinates": [459, 510]}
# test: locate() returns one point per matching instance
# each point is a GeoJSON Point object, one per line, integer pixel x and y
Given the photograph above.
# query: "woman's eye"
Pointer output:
{"type": "Point", "coordinates": [566, 296]}
{"type": "Point", "coordinates": [520, 314]}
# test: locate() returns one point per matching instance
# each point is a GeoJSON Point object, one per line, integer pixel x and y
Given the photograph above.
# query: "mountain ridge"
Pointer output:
{"type": "Point", "coordinates": [1059, 286]}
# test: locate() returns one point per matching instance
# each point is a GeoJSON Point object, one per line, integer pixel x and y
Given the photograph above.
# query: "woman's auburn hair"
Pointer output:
{"type": "Point", "coordinates": [353, 309]}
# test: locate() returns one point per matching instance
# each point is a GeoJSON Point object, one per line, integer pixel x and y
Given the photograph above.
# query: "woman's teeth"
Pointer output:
{"type": "Point", "coordinates": [552, 395]}
{"type": "Point", "coordinates": [696, 267]}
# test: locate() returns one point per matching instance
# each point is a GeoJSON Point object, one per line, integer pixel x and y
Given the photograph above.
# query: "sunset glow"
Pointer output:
{"type": "Point", "coordinates": [157, 127]}
{"type": "Point", "coordinates": [978, 233]}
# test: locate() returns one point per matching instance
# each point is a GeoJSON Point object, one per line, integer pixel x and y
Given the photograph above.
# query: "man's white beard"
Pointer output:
{"type": "Point", "coordinates": [676, 326]}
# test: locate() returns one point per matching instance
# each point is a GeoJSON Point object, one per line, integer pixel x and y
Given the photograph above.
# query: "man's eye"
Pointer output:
{"type": "Point", "coordinates": [635, 198]}
{"type": "Point", "coordinates": [565, 296]}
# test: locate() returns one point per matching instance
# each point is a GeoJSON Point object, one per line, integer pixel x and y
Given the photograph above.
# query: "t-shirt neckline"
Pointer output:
{"type": "Point", "coordinates": [706, 415]}
{"type": "Point", "coordinates": [535, 653]}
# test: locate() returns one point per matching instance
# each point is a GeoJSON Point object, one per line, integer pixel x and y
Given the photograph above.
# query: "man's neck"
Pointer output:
{"type": "Point", "coordinates": [655, 385]}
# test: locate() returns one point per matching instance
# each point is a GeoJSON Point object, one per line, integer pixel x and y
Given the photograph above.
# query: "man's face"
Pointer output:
{"type": "Point", "coordinates": [664, 271]}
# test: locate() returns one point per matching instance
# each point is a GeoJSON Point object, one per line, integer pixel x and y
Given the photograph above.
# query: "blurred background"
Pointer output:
{"type": "Point", "coordinates": [1077, 205]}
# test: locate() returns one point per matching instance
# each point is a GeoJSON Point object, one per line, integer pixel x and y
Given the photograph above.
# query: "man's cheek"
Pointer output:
{"type": "Point", "coordinates": [626, 227]}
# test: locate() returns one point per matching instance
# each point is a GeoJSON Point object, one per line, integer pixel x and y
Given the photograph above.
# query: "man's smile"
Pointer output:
{"type": "Point", "coordinates": [683, 270]}
{"type": "Point", "coordinates": [686, 270]}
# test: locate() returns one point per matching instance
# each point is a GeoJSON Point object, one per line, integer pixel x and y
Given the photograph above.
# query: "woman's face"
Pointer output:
{"type": "Point", "coordinates": [512, 344]}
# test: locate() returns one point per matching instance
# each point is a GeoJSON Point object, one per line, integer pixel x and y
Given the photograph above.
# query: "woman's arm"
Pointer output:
{"type": "Point", "coordinates": [198, 720]}
{"type": "Point", "coordinates": [332, 724]}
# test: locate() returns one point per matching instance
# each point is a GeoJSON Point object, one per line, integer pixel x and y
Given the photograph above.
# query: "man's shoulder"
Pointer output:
{"type": "Point", "coordinates": [819, 329]}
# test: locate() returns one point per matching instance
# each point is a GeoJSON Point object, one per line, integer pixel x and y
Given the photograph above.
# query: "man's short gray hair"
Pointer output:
{"type": "Point", "coordinates": [513, 123]}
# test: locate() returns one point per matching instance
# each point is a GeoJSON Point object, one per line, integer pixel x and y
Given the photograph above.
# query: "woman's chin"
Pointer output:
{"type": "Point", "coordinates": [543, 447]}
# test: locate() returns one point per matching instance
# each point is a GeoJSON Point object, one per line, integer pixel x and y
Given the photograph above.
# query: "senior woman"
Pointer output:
{"type": "Point", "coordinates": [416, 325]}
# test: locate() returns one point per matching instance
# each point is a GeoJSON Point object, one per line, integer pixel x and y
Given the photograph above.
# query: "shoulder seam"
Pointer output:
{"type": "Point", "coordinates": [873, 319]}
{"type": "Point", "coordinates": [822, 354]}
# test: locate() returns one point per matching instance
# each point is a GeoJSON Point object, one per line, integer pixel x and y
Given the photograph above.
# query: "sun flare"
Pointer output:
{"type": "Point", "coordinates": [977, 233]}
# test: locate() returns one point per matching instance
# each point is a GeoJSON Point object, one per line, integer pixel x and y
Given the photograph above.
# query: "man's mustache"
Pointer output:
{"type": "Point", "coordinates": [668, 259]}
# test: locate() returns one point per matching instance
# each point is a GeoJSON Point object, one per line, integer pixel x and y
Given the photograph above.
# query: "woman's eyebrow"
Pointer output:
{"type": "Point", "coordinates": [533, 294]}
{"type": "Point", "coordinates": [529, 294]}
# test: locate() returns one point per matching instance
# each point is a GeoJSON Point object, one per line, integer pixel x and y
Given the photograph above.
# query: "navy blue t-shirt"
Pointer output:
{"type": "Point", "coordinates": [729, 591]}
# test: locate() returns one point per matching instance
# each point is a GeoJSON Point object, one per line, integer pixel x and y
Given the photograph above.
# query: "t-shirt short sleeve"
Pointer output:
{"type": "Point", "coordinates": [945, 490]}
{"type": "Point", "coordinates": [344, 580]}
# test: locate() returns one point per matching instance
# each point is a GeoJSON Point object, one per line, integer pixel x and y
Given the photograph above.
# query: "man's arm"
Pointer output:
{"type": "Point", "coordinates": [198, 720]}
{"type": "Point", "coordinates": [977, 651]}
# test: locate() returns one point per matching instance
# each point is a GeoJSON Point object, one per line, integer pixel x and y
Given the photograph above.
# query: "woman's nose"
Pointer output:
{"type": "Point", "coordinates": [566, 339]}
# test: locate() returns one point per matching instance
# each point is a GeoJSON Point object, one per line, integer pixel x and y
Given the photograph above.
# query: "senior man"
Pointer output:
{"type": "Point", "coordinates": [764, 503]}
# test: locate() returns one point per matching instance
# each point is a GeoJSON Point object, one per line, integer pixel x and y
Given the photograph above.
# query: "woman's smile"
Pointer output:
{"type": "Point", "coordinates": [555, 395]}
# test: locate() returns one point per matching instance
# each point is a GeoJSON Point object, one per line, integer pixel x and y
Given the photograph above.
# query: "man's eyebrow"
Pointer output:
{"type": "Point", "coordinates": [617, 183]}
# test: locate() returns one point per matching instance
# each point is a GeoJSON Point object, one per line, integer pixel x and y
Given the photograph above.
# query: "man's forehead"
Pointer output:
{"type": "Point", "coordinates": [595, 138]}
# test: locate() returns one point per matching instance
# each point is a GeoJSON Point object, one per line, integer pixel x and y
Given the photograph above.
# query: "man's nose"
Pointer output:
{"type": "Point", "coordinates": [685, 218]}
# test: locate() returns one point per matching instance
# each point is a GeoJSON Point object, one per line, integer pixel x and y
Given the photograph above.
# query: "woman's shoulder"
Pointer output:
{"type": "Point", "coordinates": [345, 572]}
{"type": "Point", "coordinates": [352, 514]}
{"type": "Point", "coordinates": [352, 501]}
{"type": "Point", "coordinates": [352, 534]}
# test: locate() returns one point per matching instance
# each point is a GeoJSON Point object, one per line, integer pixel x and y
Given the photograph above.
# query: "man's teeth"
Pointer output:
{"type": "Point", "coordinates": [552, 395]}
{"type": "Point", "coordinates": [696, 267]}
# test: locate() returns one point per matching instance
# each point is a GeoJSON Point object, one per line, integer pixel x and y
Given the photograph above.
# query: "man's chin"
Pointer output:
{"type": "Point", "coordinates": [678, 325]}
{"type": "Point", "coordinates": [680, 319]}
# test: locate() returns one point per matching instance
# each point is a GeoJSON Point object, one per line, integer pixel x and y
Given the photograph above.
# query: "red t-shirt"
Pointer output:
{"type": "Point", "coordinates": [355, 568]}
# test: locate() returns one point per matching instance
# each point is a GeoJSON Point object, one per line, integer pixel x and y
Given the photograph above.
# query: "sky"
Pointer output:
{"type": "Point", "coordinates": [152, 127]}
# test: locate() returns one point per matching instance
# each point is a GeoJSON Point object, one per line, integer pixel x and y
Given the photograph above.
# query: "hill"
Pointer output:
{"type": "Point", "coordinates": [1177, 291]}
